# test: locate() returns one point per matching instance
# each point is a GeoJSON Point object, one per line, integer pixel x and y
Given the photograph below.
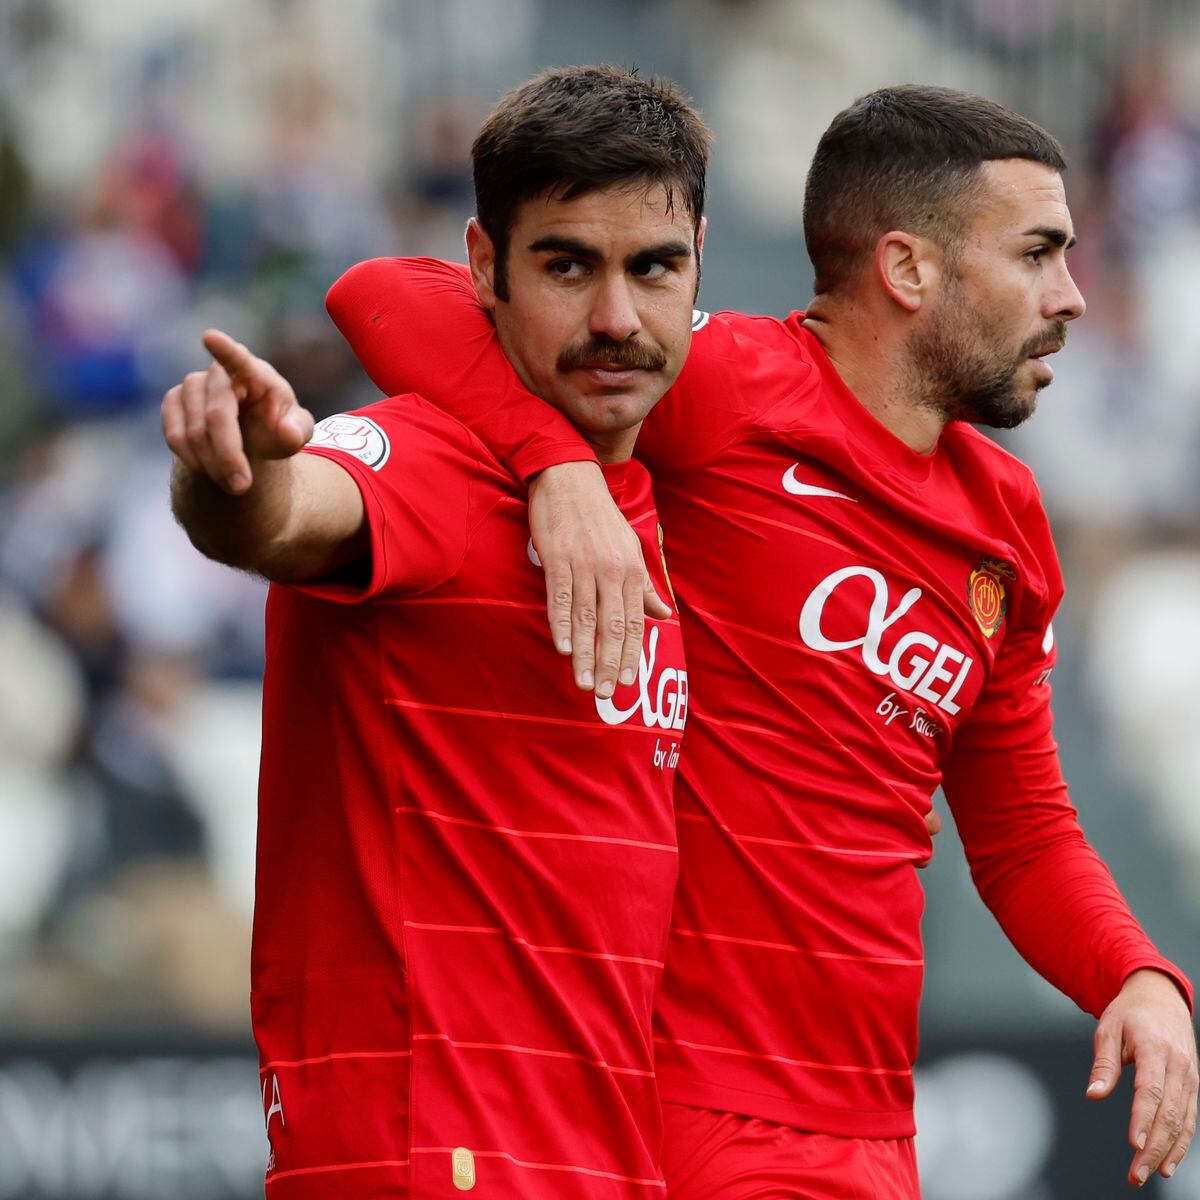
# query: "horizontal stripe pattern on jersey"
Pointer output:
{"type": "Point", "coordinates": [862, 623]}
{"type": "Point", "coordinates": [465, 863]}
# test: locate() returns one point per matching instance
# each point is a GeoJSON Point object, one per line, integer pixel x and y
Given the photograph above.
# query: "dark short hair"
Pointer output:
{"type": "Point", "coordinates": [910, 158]}
{"type": "Point", "coordinates": [574, 130]}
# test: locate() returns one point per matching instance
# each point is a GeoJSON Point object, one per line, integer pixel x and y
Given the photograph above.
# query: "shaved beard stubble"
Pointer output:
{"type": "Point", "coordinates": [964, 378]}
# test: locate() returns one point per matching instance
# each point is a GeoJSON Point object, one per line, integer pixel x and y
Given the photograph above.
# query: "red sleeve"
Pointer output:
{"type": "Point", "coordinates": [1035, 870]}
{"type": "Point", "coordinates": [412, 465]}
{"type": "Point", "coordinates": [742, 372]}
{"type": "Point", "coordinates": [1029, 858]}
{"type": "Point", "coordinates": [416, 326]}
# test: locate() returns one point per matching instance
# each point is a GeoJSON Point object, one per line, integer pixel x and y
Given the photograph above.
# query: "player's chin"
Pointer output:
{"type": "Point", "coordinates": [614, 411]}
{"type": "Point", "coordinates": [1021, 408]}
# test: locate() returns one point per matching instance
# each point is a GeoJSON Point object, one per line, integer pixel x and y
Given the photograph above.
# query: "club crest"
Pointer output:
{"type": "Point", "coordinates": [986, 595]}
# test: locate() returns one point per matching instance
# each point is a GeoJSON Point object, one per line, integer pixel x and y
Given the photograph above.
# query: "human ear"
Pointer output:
{"type": "Point", "coordinates": [908, 267]}
{"type": "Point", "coordinates": [481, 255]}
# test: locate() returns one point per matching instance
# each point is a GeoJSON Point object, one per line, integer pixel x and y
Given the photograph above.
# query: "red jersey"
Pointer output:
{"type": "Point", "coordinates": [863, 624]}
{"type": "Point", "coordinates": [465, 864]}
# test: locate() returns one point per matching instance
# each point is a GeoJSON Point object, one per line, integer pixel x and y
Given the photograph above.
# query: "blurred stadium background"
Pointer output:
{"type": "Point", "coordinates": [164, 167]}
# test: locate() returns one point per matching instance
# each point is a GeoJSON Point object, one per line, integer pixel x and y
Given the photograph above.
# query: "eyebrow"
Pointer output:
{"type": "Point", "coordinates": [1058, 237]}
{"type": "Point", "coordinates": [566, 245]}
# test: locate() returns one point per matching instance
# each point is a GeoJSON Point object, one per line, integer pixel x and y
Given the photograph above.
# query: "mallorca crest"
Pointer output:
{"type": "Point", "coordinates": [986, 596]}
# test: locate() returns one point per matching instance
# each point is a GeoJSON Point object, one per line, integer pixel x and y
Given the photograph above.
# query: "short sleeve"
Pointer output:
{"type": "Point", "coordinates": [414, 468]}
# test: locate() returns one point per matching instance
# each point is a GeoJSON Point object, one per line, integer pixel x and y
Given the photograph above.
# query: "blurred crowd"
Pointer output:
{"type": "Point", "coordinates": [129, 666]}
{"type": "Point", "coordinates": [129, 695]}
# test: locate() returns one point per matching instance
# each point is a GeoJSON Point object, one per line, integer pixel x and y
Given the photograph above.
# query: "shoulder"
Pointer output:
{"type": "Point", "coordinates": [742, 350]}
{"type": "Point", "coordinates": [982, 460]}
{"type": "Point", "coordinates": [403, 431]}
{"type": "Point", "coordinates": [1005, 493]}
{"type": "Point", "coordinates": [377, 290]}
{"type": "Point", "coordinates": [726, 329]}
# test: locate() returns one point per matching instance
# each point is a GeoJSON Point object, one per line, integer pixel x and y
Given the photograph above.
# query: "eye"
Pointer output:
{"type": "Point", "coordinates": [1037, 253]}
{"type": "Point", "coordinates": [650, 268]}
{"type": "Point", "coordinates": [566, 268]}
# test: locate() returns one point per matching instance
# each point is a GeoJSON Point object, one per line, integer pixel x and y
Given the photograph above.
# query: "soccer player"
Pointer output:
{"type": "Point", "coordinates": [466, 864]}
{"type": "Point", "coordinates": [866, 585]}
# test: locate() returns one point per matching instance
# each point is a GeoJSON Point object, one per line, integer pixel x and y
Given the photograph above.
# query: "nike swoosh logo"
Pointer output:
{"type": "Point", "coordinates": [799, 488]}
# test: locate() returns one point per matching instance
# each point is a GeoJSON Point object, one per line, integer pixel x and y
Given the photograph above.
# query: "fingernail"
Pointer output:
{"type": "Point", "coordinates": [1169, 1169]}
{"type": "Point", "coordinates": [1097, 1085]}
{"type": "Point", "coordinates": [626, 676]}
{"type": "Point", "coordinates": [1143, 1173]}
{"type": "Point", "coordinates": [564, 645]}
{"type": "Point", "coordinates": [587, 679]}
{"type": "Point", "coordinates": [1141, 1141]}
{"type": "Point", "coordinates": [237, 481]}
{"type": "Point", "coordinates": [604, 690]}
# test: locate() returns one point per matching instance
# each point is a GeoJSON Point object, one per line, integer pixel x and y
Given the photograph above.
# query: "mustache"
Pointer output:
{"type": "Point", "coordinates": [1053, 338]}
{"type": "Point", "coordinates": [604, 352]}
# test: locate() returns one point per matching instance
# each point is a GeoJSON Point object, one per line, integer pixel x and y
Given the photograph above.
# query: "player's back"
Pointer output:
{"type": "Point", "coordinates": [465, 863]}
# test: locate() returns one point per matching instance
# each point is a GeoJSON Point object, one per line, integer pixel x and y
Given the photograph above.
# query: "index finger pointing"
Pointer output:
{"type": "Point", "coordinates": [233, 356]}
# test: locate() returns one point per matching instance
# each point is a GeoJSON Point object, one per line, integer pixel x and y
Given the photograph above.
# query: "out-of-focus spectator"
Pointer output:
{"type": "Point", "coordinates": [213, 162]}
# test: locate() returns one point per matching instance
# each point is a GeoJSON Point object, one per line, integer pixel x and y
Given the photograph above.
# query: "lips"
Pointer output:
{"type": "Point", "coordinates": [608, 376]}
{"type": "Point", "coordinates": [1042, 369]}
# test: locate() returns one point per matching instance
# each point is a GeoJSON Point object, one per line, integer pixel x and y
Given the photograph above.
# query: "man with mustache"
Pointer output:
{"type": "Point", "coordinates": [466, 864]}
{"type": "Point", "coordinates": [866, 586]}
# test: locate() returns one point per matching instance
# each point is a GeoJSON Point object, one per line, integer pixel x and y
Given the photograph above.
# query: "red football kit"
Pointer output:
{"type": "Point", "coordinates": [863, 623]}
{"type": "Point", "coordinates": [465, 864]}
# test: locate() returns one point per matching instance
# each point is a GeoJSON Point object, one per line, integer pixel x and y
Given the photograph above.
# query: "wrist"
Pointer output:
{"type": "Point", "coordinates": [1153, 980]}
{"type": "Point", "coordinates": [567, 475]}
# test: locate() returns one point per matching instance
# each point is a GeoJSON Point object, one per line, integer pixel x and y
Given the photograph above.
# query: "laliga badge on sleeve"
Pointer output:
{"type": "Point", "coordinates": [357, 436]}
{"type": "Point", "coordinates": [462, 1168]}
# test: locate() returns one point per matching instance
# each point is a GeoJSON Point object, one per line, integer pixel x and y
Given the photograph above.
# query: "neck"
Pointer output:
{"type": "Point", "coordinates": [871, 360]}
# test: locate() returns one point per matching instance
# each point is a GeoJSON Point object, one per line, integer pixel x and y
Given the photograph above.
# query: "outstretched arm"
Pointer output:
{"type": "Point", "coordinates": [416, 325]}
{"type": "Point", "coordinates": [240, 487]}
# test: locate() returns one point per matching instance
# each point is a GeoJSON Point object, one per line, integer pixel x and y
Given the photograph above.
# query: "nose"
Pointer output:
{"type": "Point", "coordinates": [614, 314]}
{"type": "Point", "coordinates": [1067, 300]}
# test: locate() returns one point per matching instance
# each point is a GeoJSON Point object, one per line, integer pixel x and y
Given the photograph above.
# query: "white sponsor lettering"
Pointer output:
{"type": "Point", "coordinates": [665, 756]}
{"type": "Point", "coordinates": [924, 724]}
{"type": "Point", "coordinates": [889, 709]}
{"type": "Point", "coordinates": [906, 667]}
{"type": "Point", "coordinates": [662, 700]}
{"type": "Point", "coordinates": [276, 1106]}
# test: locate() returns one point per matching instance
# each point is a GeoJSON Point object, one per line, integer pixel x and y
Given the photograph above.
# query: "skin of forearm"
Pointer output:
{"type": "Point", "coordinates": [249, 531]}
